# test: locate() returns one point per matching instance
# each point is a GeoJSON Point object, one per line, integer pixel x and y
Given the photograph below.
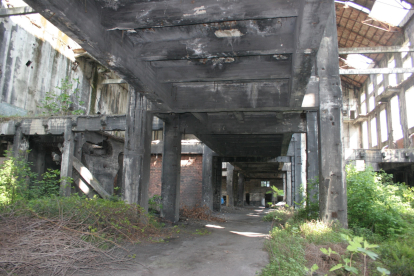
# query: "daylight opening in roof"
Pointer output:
{"type": "Point", "coordinates": [359, 61]}
{"type": "Point", "coordinates": [392, 12]}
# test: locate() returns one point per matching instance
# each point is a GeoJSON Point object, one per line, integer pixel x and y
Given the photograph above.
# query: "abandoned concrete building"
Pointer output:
{"type": "Point", "coordinates": [197, 101]}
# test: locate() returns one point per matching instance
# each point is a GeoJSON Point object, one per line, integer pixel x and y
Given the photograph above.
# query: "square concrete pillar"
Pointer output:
{"type": "Point", "coordinates": [171, 167]}
{"type": "Point", "coordinates": [66, 165]}
{"type": "Point", "coordinates": [312, 154]}
{"type": "Point", "coordinates": [207, 192]}
{"type": "Point", "coordinates": [229, 185]}
{"type": "Point", "coordinates": [332, 185]}
{"type": "Point", "coordinates": [240, 190]}
{"type": "Point", "coordinates": [217, 166]}
{"type": "Point", "coordinates": [137, 150]}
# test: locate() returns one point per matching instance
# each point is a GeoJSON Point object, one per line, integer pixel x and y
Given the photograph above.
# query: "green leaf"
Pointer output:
{"type": "Point", "coordinates": [351, 269]}
{"type": "Point", "coordinates": [324, 251]}
{"type": "Point", "coordinates": [371, 254]}
{"type": "Point", "coordinates": [383, 271]}
{"type": "Point", "coordinates": [338, 266]}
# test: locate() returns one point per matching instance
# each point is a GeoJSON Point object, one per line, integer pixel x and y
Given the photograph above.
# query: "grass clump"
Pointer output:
{"type": "Point", "coordinates": [286, 251]}
{"type": "Point", "coordinates": [280, 215]}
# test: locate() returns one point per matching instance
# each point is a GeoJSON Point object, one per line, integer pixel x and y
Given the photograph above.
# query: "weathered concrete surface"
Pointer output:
{"type": "Point", "coordinates": [332, 184]}
{"type": "Point", "coordinates": [236, 249]}
{"type": "Point", "coordinates": [34, 58]}
{"type": "Point", "coordinates": [171, 169]}
{"type": "Point", "coordinates": [208, 178]}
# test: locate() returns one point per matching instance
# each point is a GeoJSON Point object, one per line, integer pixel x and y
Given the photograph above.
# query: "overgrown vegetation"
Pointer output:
{"type": "Point", "coordinates": [62, 103]}
{"type": "Point", "coordinates": [18, 182]}
{"type": "Point", "coordinates": [59, 235]}
{"type": "Point", "coordinates": [380, 240]}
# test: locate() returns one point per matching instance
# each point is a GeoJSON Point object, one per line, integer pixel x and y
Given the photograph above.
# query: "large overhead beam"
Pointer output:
{"type": "Point", "coordinates": [16, 11]}
{"type": "Point", "coordinates": [134, 15]}
{"type": "Point", "coordinates": [206, 47]}
{"type": "Point", "coordinates": [239, 38]}
{"type": "Point", "coordinates": [225, 96]}
{"type": "Point", "coordinates": [375, 50]}
{"type": "Point", "coordinates": [81, 20]}
{"type": "Point", "coordinates": [269, 123]}
{"type": "Point", "coordinates": [375, 71]}
{"type": "Point", "coordinates": [312, 19]}
{"type": "Point", "coordinates": [222, 69]}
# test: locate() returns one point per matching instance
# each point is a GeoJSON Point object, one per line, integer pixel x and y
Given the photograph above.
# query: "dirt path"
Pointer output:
{"type": "Point", "coordinates": [234, 247]}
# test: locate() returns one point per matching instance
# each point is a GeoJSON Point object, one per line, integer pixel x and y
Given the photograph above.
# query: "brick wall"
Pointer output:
{"type": "Point", "coordinates": [190, 182]}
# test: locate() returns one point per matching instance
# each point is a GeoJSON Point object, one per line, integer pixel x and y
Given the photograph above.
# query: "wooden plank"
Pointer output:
{"type": "Point", "coordinates": [6, 12]}
{"type": "Point", "coordinates": [134, 15]}
{"type": "Point", "coordinates": [89, 178]}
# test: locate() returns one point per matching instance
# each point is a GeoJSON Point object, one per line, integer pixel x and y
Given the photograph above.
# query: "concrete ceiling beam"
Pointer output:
{"type": "Point", "coordinates": [222, 69]}
{"type": "Point", "coordinates": [81, 20]}
{"type": "Point", "coordinates": [375, 50]}
{"type": "Point", "coordinates": [310, 25]}
{"type": "Point", "coordinates": [151, 14]}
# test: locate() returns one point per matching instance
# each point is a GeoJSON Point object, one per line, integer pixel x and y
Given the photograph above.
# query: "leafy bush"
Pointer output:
{"type": "Point", "coordinates": [375, 202]}
{"type": "Point", "coordinates": [18, 182]}
{"type": "Point", "coordinates": [62, 103]}
{"type": "Point", "coordinates": [311, 202]}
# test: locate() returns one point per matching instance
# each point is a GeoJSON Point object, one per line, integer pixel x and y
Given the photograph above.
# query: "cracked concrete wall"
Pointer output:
{"type": "Point", "coordinates": [34, 58]}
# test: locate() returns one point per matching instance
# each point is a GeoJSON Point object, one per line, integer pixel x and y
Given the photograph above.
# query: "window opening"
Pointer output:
{"type": "Point", "coordinates": [363, 104]}
{"type": "Point", "coordinates": [265, 183]}
{"type": "Point", "coordinates": [392, 78]}
{"type": "Point", "coordinates": [409, 100]}
{"type": "Point", "coordinates": [395, 119]}
{"type": "Point", "coordinates": [365, 134]}
{"type": "Point", "coordinates": [384, 127]}
{"type": "Point", "coordinates": [374, 136]}
{"type": "Point", "coordinates": [371, 103]}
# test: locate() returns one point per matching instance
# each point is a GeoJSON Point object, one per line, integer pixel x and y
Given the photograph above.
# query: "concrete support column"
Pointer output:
{"type": "Point", "coordinates": [79, 141]}
{"type": "Point", "coordinates": [403, 118]}
{"type": "Point", "coordinates": [207, 193]}
{"type": "Point", "coordinates": [299, 145]}
{"type": "Point", "coordinates": [389, 126]}
{"type": "Point", "coordinates": [66, 166]}
{"type": "Point", "coordinates": [137, 150]}
{"type": "Point", "coordinates": [312, 153]}
{"type": "Point", "coordinates": [217, 166]}
{"type": "Point", "coordinates": [171, 168]}
{"type": "Point", "coordinates": [240, 190]}
{"type": "Point", "coordinates": [289, 185]}
{"type": "Point", "coordinates": [332, 185]}
{"type": "Point", "coordinates": [229, 185]}
{"type": "Point", "coordinates": [235, 187]}
{"type": "Point", "coordinates": [20, 144]}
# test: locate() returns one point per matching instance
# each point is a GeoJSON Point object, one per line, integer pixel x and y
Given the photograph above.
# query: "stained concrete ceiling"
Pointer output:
{"type": "Point", "coordinates": [236, 71]}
